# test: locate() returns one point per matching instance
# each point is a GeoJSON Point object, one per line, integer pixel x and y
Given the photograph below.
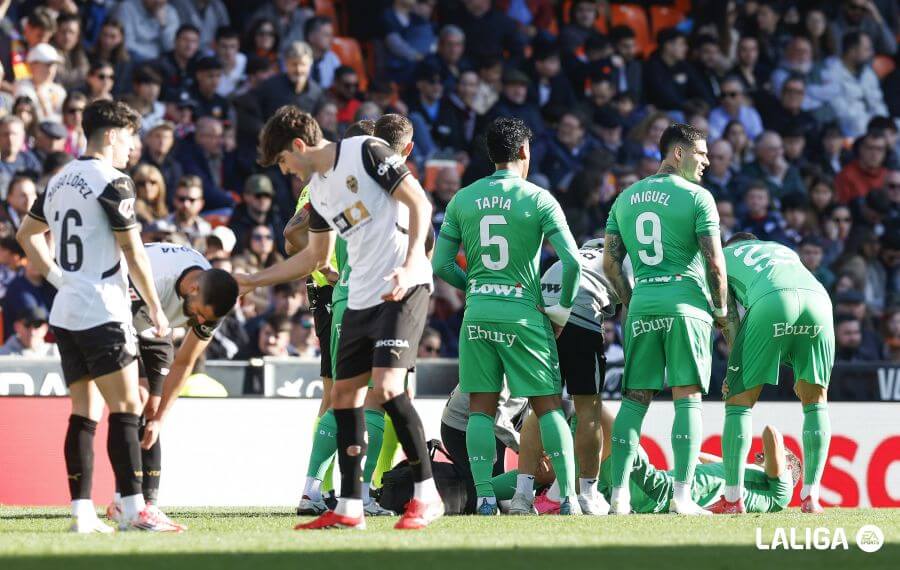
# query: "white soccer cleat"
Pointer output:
{"type": "Point", "coordinates": [151, 519]}
{"type": "Point", "coordinates": [521, 504]}
{"type": "Point", "coordinates": [687, 508]}
{"type": "Point", "coordinates": [164, 517]}
{"type": "Point", "coordinates": [373, 509]}
{"type": "Point", "coordinates": [311, 508]}
{"type": "Point", "coordinates": [90, 525]}
{"type": "Point", "coordinates": [595, 506]}
{"type": "Point", "coordinates": [620, 507]}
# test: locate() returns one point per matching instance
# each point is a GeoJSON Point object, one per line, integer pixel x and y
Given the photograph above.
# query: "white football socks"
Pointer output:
{"type": "Point", "coordinates": [349, 507]}
{"type": "Point", "coordinates": [313, 489]}
{"type": "Point", "coordinates": [426, 491]}
{"type": "Point", "coordinates": [83, 508]}
{"type": "Point", "coordinates": [621, 496]}
{"type": "Point", "coordinates": [811, 491]}
{"type": "Point", "coordinates": [732, 493]}
{"type": "Point", "coordinates": [525, 485]}
{"type": "Point", "coordinates": [553, 492]}
{"type": "Point", "coordinates": [587, 487]}
{"type": "Point", "coordinates": [682, 493]}
{"type": "Point", "coordinates": [132, 506]}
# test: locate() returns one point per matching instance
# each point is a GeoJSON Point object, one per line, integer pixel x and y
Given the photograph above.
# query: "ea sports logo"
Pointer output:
{"type": "Point", "coordinates": [869, 538]}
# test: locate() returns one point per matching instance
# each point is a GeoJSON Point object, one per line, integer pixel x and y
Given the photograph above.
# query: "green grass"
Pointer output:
{"type": "Point", "coordinates": [263, 539]}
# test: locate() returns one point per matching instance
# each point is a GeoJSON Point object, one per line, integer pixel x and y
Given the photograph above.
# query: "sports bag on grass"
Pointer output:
{"type": "Point", "coordinates": [397, 484]}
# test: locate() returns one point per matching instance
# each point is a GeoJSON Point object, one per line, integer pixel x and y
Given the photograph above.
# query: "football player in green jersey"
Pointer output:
{"type": "Point", "coordinates": [788, 320]}
{"type": "Point", "coordinates": [501, 222]}
{"type": "Point", "coordinates": [669, 227]}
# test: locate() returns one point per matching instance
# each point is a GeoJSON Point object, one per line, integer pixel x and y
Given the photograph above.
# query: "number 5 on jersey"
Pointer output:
{"type": "Point", "coordinates": [488, 240]}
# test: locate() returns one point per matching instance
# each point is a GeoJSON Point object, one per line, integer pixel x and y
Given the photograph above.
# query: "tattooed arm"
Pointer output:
{"type": "Point", "coordinates": [715, 273]}
{"type": "Point", "coordinates": [296, 232]}
{"type": "Point", "coordinates": [613, 257]}
{"type": "Point", "coordinates": [734, 321]}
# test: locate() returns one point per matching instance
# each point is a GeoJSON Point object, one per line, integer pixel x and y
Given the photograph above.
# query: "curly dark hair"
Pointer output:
{"type": "Point", "coordinates": [505, 136]}
{"type": "Point", "coordinates": [102, 115]}
{"type": "Point", "coordinates": [288, 123]}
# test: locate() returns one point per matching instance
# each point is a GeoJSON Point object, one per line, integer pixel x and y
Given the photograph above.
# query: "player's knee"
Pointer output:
{"type": "Point", "coordinates": [640, 396]}
{"type": "Point", "coordinates": [810, 393]}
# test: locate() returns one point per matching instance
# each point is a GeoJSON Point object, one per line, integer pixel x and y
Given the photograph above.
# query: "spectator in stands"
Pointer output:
{"type": "Point", "coordinates": [862, 16]}
{"type": "Point", "coordinates": [149, 27]}
{"type": "Point", "coordinates": [815, 28]}
{"type": "Point", "coordinates": [490, 75]}
{"type": "Point", "coordinates": [644, 138]}
{"type": "Point", "coordinates": [582, 16]}
{"type": "Point", "coordinates": [203, 155]}
{"type": "Point", "coordinates": [262, 41]}
{"type": "Point", "coordinates": [550, 88]}
{"type": "Point", "coordinates": [26, 291]}
{"type": "Point", "coordinates": [30, 329]}
{"type": "Point", "coordinates": [787, 112]}
{"type": "Point", "coordinates": [707, 65]}
{"type": "Point", "coordinates": [799, 63]}
{"type": "Point", "coordinates": [741, 145]}
{"type": "Point", "coordinates": [892, 189]}
{"type": "Point", "coordinates": [50, 137]}
{"type": "Point", "coordinates": [67, 40]}
{"type": "Point", "coordinates": [205, 15]}
{"type": "Point", "coordinates": [408, 36]}
{"type": "Point", "coordinates": [150, 191]}
{"type": "Point", "coordinates": [257, 209]}
{"type": "Point", "coordinates": [434, 118]}
{"type": "Point", "coordinates": [812, 252]}
{"type": "Point", "coordinates": [37, 28]}
{"type": "Point", "coordinates": [14, 159]}
{"type": "Point", "coordinates": [794, 140]}
{"type": "Point", "coordinates": [12, 259]}
{"type": "Point", "coordinates": [890, 261]}
{"type": "Point", "coordinates": [858, 92]}
{"type": "Point", "coordinates": [734, 107]}
{"type": "Point", "coordinates": [462, 101]}
{"type": "Point", "coordinates": [274, 338]}
{"type": "Point", "coordinates": [446, 185]}
{"type": "Point", "coordinates": [497, 34]}
{"type": "Point", "coordinates": [833, 155]}
{"type": "Point", "coordinates": [450, 56]}
{"type": "Point", "coordinates": [327, 117]}
{"type": "Point", "coordinates": [188, 198]}
{"type": "Point", "coordinates": [157, 151]}
{"type": "Point", "coordinates": [293, 87]}
{"type": "Point", "coordinates": [748, 67]}
{"type": "Point", "coordinates": [288, 18]}
{"type": "Point", "coordinates": [566, 151]}
{"type": "Point", "coordinates": [258, 253]}
{"type": "Point", "coordinates": [797, 222]}
{"type": "Point", "coordinates": [100, 81]}
{"type": "Point", "coordinates": [836, 227]}
{"type": "Point", "coordinates": [430, 344]}
{"type": "Point", "coordinates": [891, 334]}
{"type": "Point", "coordinates": [176, 66]}
{"type": "Point", "coordinates": [668, 81]}
{"type": "Point", "coordinates": [865, 172]}
{"type": "Point", "coordinates": [207, 76]}
{"type": "Point", "coordinates": [727, 219]}
{"type": "Point", "coordinates": [147, 86]}
{"type": "Point", "coordinates": [345, 93]}
{"type": "Point", "coordinates": [770, 166]}
{"type": "Point", "coordinates": [601, 93]}
{"type": "Point", "coordinates": [23, 107]}
{"type": "Point", "coordinates": [758, 217]}
{"type": "Point", "coordinates": [849, 345]}
{"type": "Point", "coordinates": [607, 128]}
{"type": "Point", "coordinates": [720, 177]}
{"type": "Point", "coordinates": [887, 128]}
{"type": "Point", "coordinates": [629, 67]}
{"type": "Point", "coordinates": [20, 196]}
{"type": "Point", "coordinates": [319, 35]}
{"type": "Point", "coordinates": [303, 337]}
{"type": "Point", "coordinates": [46, 95]}
{"type": "Point", "coordinates": [110, 48]}
{"type": "Point", "coordinates": [514, 102]}
{"type": "Point", "coordinates": [227, 48]}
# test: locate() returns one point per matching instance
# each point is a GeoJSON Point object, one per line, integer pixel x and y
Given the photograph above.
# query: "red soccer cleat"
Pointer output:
{"type": "Point", "coordinates": [419, 514]}
{"type": "Point", "coordinates": [544, 505]}
{"type": "Point", "coordinates": [330, 519]}
{"type": "Point", "coordinates": [809, 506]}
{"type": "Point", "coordinates": [725, 507]}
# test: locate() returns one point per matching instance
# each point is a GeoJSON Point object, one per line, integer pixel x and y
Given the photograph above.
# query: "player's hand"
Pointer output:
{"type": "Point", "coordinates": [244, 283]}
{"type": "Point", "coordinates": [152, 406]}
{"type": "Point", "coordinates": [160, 322]}
{"type": "Point", "coordinates": [403, 278]}
{"type": "Point", "coordinates": [151, 433]}
{"type": "Point", "coordinates": [330, 274]}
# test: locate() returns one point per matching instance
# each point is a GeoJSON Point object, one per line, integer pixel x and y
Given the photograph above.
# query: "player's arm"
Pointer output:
{"type": "Point", "coordinates": [142, 276]}
{"type": "Point", "coordinates": [33, 241]}
{"type": "Point", "coordinates": [190, 350]}
{"type": "Point", "coordinates": [716, 276]}
{"type": "Point", "coordinates": [313, 257]}
{"type": "Point", "coordinates": [734, 323]}
{"type": "Point", "coordinates": [410, 193]}
{"type": "Point", "coordinates": [613, 266]}
{"type": "Point", "coordinates": [557, 232]}
{"type": "Point", "coordinates": [708, 458]}
{"type": "Point", "coordinates": [296, 232]}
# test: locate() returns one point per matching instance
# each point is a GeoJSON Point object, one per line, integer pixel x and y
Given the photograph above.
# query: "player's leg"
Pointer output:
{"type": "Point", "coordinates": [87, 410]}
{"type": "Point", "coordinates": [321, 462]}
{"type": "Point", "coordinates": [530, 453]}
{"type": "Point", "coordinates": [769, 490]}
{"type": "Point", "coordinates": [389, 446]}
{"type": "Point", "coordinates": [816, 441]}
{"type": "Point", "coordinates": [156, 356]}
{"type": "Point", "coordinates": [688, 362]}
{"type": "Point", "coordinates": [347, 400]}
{"type": "Point", "coordinates": [375, 424]}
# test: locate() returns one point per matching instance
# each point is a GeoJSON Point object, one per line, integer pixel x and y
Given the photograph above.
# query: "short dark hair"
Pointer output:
{"type": "Point", "coordinates": [288, 123]}
{"type": "Point", "coordinates": [187, 28]}
{"type": "Point", "coordinates": [314, 23]}
{"type": "Point", "coordinates": [219, 290]}
{"type": "Point", "coordinates": [343, 70]}
{"type": "Point", "coordinates": [851, 40]}
{"type": "Point", "coordinates": [42, 17]}
{"type": "Point", "coordinates": [66, 17]}
{"type": "Point", "coordinates": [360, 128]}
{"type": "Point", "coordinates": [147, 74]}
{"type": "Point", "coordinates": [619, 33]}
{"type": "Point", "coordinates": [741, 236]}
{"type": "Point", "coordinates": [679, 134]}
{"type": "Point", "coordinates": [227, 32]}
{"type": "Point", "coordinates": [102, 115]}
{"type": "Point", "coordinates": [505, 136]}
{"type": "Point", "coordinates": [813, 241]}
{"type": "Point", "coordinates": [395, 129]}
{"type": "Point", "coordinates": [845, 318]}
{"type": "Point", "coordinates": [10, 244]}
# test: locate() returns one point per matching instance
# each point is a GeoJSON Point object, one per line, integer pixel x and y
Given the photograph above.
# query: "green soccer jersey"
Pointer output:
{"type": "Point", "coordinates": [338, 258]}
{"type": "Point", "coordinates": [756, 268]}
{"type": "Point", "coordinates": [501, 221]}
{"type": "Point", "coordinates": [659, 220]}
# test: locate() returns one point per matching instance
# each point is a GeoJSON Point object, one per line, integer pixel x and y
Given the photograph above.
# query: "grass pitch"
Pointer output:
{"type": "Point", "coordinates": [263, 539]}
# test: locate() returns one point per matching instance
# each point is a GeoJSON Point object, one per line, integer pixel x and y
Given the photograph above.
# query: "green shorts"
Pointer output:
{"type": "Point", "coordinates": [764, 494]}
{"type": "Point", "coordinates": [526, 354]}
{"type": "Point", "coordinates": [788, 326]}
{"type": "Point", "coordinates": [666, 349]}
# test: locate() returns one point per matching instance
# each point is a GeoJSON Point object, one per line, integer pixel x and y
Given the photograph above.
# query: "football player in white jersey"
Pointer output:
{"type": "Point", "coordinates": [194, 296]}
{"type": "Point", "coordinates": [362, 190]}
{"type": "Point", "coordinates": [88, 207]}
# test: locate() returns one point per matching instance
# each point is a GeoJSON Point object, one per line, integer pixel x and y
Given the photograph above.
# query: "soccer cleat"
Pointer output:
{"type": "Point", "coordinates": [164, 517]}
{"type": "Point", "coordinates": [151, 520]}
{"type": "Point", "coordinates": [687, 508]}
{"type": "Point", "coordinates": [522, 504]}
{"type": "Point", "coordinates": [620, 507]}
{"type": "Point", "coordinates": [114, 512]}
{"type": "Point", "coordinates": [487, 508]}
{"type": "Point", "coordinates": [569, 506]}
{"type": "Point", "coordinates": [311, 508]}
{"type": "Point", "coordinates": [809, 506]}
{"type": "Point", "coordinates": [420, 514]}
{"type": "Point", "coordinates": [595, 506]}
{"type": "Point", "coordinates": [332, 520]}
{"type": "Point", "coordinates": [544, 505]}
{"type": "Point", "coordinates": [373, 509]}
{"type": "Point", "coordinates": [725, 507]}
{"type": "Point", "coordinates": [89, 525]}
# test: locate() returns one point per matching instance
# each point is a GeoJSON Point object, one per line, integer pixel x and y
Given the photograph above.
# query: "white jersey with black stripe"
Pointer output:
{"type": "Point", "coordinates": [354, 199]}
{"type": "Point", "coordinates": [84, 204]}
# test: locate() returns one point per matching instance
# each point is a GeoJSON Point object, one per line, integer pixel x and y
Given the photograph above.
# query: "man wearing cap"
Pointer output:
{"type": "Point", "coordinates": [433, 118]}
{"type": "Point", "coordinates": [256, 209]}
{"type": "Point", "coordinates": [47, 96]}
{"type": "Point", "coordinates": [31, 328]}
{"type": "Point", "coordinates": [49, 138]}
{"type": "Point", "coordinates": [207, 76]}
{"type": "Point", "coordinates": [514, 102]}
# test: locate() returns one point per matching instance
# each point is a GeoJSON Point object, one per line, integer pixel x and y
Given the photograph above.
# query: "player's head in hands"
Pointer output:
{"type": "Point", "coordinates": [109, 127]}
{"type": "Point", "coordinates": [684, 152]}
{"type": "Point", "coordinates": [397, 131]}
{"type": "Point", "coordinates": [286, 138]}
{"type": "Point", "coordinates": [508, 145]}
{"type": "Point", "coordinates": [210, 296]}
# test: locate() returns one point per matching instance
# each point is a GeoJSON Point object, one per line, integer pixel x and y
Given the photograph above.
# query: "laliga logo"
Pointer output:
{"type": "Point", "coordinates": [869, 538]}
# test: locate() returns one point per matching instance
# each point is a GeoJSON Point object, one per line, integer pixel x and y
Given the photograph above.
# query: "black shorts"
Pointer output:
{"type": "Point", "coordinates": [384, 336]}
{"type": "Point", "coordinates": [582, 360]}
{"type": "Point", "coordinates": [96, 351]}
{"type": "Point", "coordinates": [156, 355]}
{"type": "Point", "coordinates": [320, 303]}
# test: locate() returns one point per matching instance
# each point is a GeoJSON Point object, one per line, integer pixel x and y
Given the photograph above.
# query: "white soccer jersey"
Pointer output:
{"type": "Point", "coordinates": [595, 298]}
{"type": "Point", "coordinates": [84, 204]}
{"type": "Point", "coordinates": [170, 263]}
{"type": "Point", "coordinates": [354, 199]}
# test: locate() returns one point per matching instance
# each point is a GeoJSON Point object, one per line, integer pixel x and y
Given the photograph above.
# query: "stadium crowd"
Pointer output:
{"type": "Point", "coordinates": [801, 100]}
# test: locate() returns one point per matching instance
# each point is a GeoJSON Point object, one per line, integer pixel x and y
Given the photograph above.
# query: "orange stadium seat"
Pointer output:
{"type": "Point", "coordinates": [434, 166]}
{"type": "Point", "coordinates": [662, 17]}
{"type": "Point", "coordinates": [883, 65]}
{"type": "Point", "coordinates": [634, 17]}
{"type": "Point", "coordinates": [349, 52]}
{"type": "Point", "coordinates": [325, 8]}
{"type": "Point", "coordinates": [683, 6]}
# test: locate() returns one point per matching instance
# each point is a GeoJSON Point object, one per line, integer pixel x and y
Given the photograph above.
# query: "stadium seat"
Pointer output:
{"type": "Point", "coordinates": [662, 17]}
{"type": "Point", "coordinates": [216, 220]}
{"type": "Point", "coordinates": [326, 8]}
{"type": "Point", "coordinates": [683, 6]}
{"type": "Point", "coordinates": [349, 52]}
{"type": "Point", "coordinates": [883, 65]}
{"type": "Point", "coordinates": [633, 16]}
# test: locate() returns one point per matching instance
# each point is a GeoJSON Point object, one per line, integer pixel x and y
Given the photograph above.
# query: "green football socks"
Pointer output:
{"type": "Point", "coordinates": [736, 440]}
{"type": "Point", "coordinates": [687, 431]}
{"type": "Point", "coordinates": [481, 447]}
{"type": "Point", "coordinates": [816, 440]}
{"type": "Point", "coordinates": [558, 444]}
{"type": "Point", "coordinates": [626, 436]}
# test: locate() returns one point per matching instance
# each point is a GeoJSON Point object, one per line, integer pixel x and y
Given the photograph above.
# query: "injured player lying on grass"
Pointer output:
{"type": "Point", "coordinates": [768, 482]}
